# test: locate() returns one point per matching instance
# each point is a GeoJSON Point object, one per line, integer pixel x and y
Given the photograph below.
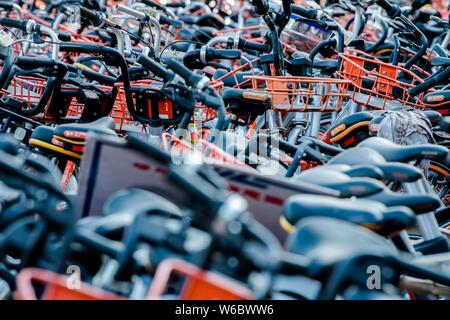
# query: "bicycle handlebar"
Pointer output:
{"type": "Point", "coordinates": [392, 10]}
{"type": "Point", "coordinates": [306, 13]}
{"type": "Point", "coordinates": [244, 44]}
{"type": "Point", "coordinates": [30, 63]}
{"type": "Point", "coordinates": [163, 19]}
{"type": "Point", "coordinates": [156, 68]}
{"type": "Point", "coordinates": [261, 7]}
{"type": "Point", "coordinates": [191, 78]}
{"type": "Point", "coordinates": [13, 23]}
{"type": "Point", "coordinates": [430, 82]}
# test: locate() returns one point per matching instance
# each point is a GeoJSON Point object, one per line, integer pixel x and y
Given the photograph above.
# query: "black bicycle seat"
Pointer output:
{"type": "Point", "coordinates": [68, 140]}
{"type": "Point", "coordinates": [328, 241]}
{"type": "Point", "coordinates": [347, 187]}
{"type": "Point", "coordinates": [392, 171]}
{"type": "Point", "coordinates": [246, 101]}
{"type": "Point", "coordinates": [437, 99]}
{"type": "Point", "coordinates": [434, 117]}
{"type": "Point", "coordinates": [105, 125]}
{"type": "Point", "coordinates": [444, 124]}
{"type": "Point", "coordinates": [350, 130]}
{"type": "Point", "coordinates": [42, 138]}
{"type": "Point", "coordinates": [358, 156]}
{"type": "Point", "coordinates": [397, 153]}
{"type": "Point", "coordinates": [371, 214]}
{"type": "Point", "coordinates": [418, 203]}
{"type": "Point", "coordinates": [133, 200]}
{"type": "Point", "coordinates": [365, 170]}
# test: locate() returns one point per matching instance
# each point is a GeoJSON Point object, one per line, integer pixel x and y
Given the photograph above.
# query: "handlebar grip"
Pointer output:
{"type": "Point", "coordinates": [154, 4]}
{"type": "Point", "coordinates": [392, 10]}
{"type": "Point", "coordinates": [163, 19]}
{"type": "Point", "coordinates": [64, 36]}
{"type": "Point", "coordinates": [90, 15]}
{"type": "Point", "coordinates": [430, 82]}
{"type": "Point", "coordinates": [250, 45]}
{"type": "Point", "coordinates": [29, 63]}
{"type": "Point", "coordinates": [13, 23]}
{"type": "Point", "coordinates": [209, 100]}
{"type": "Point", "coordinates": [6, 5]}
{"type": "Point", "coordinates": [223, 54]}
{"type": "Point", "coordinates": [156, 68]}
{"type": "Point", "coordinates": [176, 5]}
{"type": "Point", "coordinates": [261, 6]}
{"type": "Point", "coordinates": [191, 78]}
{"type": "Point", "coordinates": [305, 13]}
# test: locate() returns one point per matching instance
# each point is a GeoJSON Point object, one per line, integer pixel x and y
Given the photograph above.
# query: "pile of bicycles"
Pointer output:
{"type": "Point", "coordinates": [245, 150]}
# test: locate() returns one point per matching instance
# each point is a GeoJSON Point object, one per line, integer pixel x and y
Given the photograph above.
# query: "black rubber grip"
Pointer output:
{"type": "Point", "coordinates": [222, 54]}
{"type": "Point", "coordinates": [93, 75]}
{"type": "Point", "coordinates": [13, 23]}
{"type": "Point", "coordinates": [261, 6]}
{"type": "Point", "coordinates": [250, 45]}
{"type": "Point", "coordinates": [191, 78]}
{"type": "Point", "coordinates": [156, 68]}
{"type": "Point", "coordinates": [163, 19]}
{"type": "Point", "coordinates": [392, 10]}
{"type": "Point", "coordinates": [81, 47]}
{"type": "Point", "coordinates": [305, 13]}
{"type": "Point", "coordinates": [6, 5]}
{"type": "Point", "coordinates": [430, 82]}
{"type": "Point", "coordinates": [176, 5]}
{"type": "Point", "coordinates": [90, 15]}
{"type": "Point", "coordinates": [64, 36]}
{"type": "Point", "coordinates": [30, 63]}
{"type": "Point", "coordinates": [209, 100]}
{"type": "Point", "coordinates": [154, 4]}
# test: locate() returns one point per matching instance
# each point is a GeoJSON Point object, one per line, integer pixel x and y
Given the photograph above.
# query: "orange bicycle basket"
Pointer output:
{"type": "Point", "coordinates": [56, 287]}
{"type": "Point", "coordinates": [378, 85]}
{"type": "Point", "coordinates": [199, 284]}
{"type": "Point", "coordinates": [303, 94]}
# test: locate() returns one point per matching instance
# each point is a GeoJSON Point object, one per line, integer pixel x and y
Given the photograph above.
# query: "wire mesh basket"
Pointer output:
{"type": "Point", "coordinates": [379, 85]}
{"type": "Point", "coordinates": [303, 94]}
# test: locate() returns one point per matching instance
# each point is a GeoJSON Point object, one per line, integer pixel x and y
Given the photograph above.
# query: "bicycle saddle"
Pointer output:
{"type": "Point", "coordinates": [397, 153]}
{"type": "Point", "coordinates": [418, 203]}
{"type": "Point", "coordinates": [444, 124]}
{"type": "Point", "coordinates": [105, 125]}
{"type": "Point", "coordinates": [42, 137]}
{"type": "Point", "coordinates": [245, 101]}
{"type": "Point", "coordinates": [437, 99]}
{"type": "Point", "coordinates": [328, 241]}
{"type": "Point", "coordinates": [358, 171]}
{"type": "Point", "coordinates": [133, 199]}
{"type": "Point", "coordinates": [392, 171]}
{"type": "Point", "coordinates": [434, 117]}
{"type": "Point", "coordinates": [68, 140]}
{"type": "Point", "coordinates": [347, 187]}
{"type": "Point", "coordinates": [367, 171]}
{"type": "Point", "coordinates": [371, 214]}
{"type": "Point", "coordinates": [350, 130]}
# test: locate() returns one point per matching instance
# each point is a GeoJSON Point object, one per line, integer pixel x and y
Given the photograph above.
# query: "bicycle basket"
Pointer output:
{"type": "Point", "coordinates": [303, 94]}
{"type": "Point", "coordinates": [378, 85]}
{"type": "Point", "coordinates": [56, 287]}
{"type": "Point", "coordinates": [198, 284]}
